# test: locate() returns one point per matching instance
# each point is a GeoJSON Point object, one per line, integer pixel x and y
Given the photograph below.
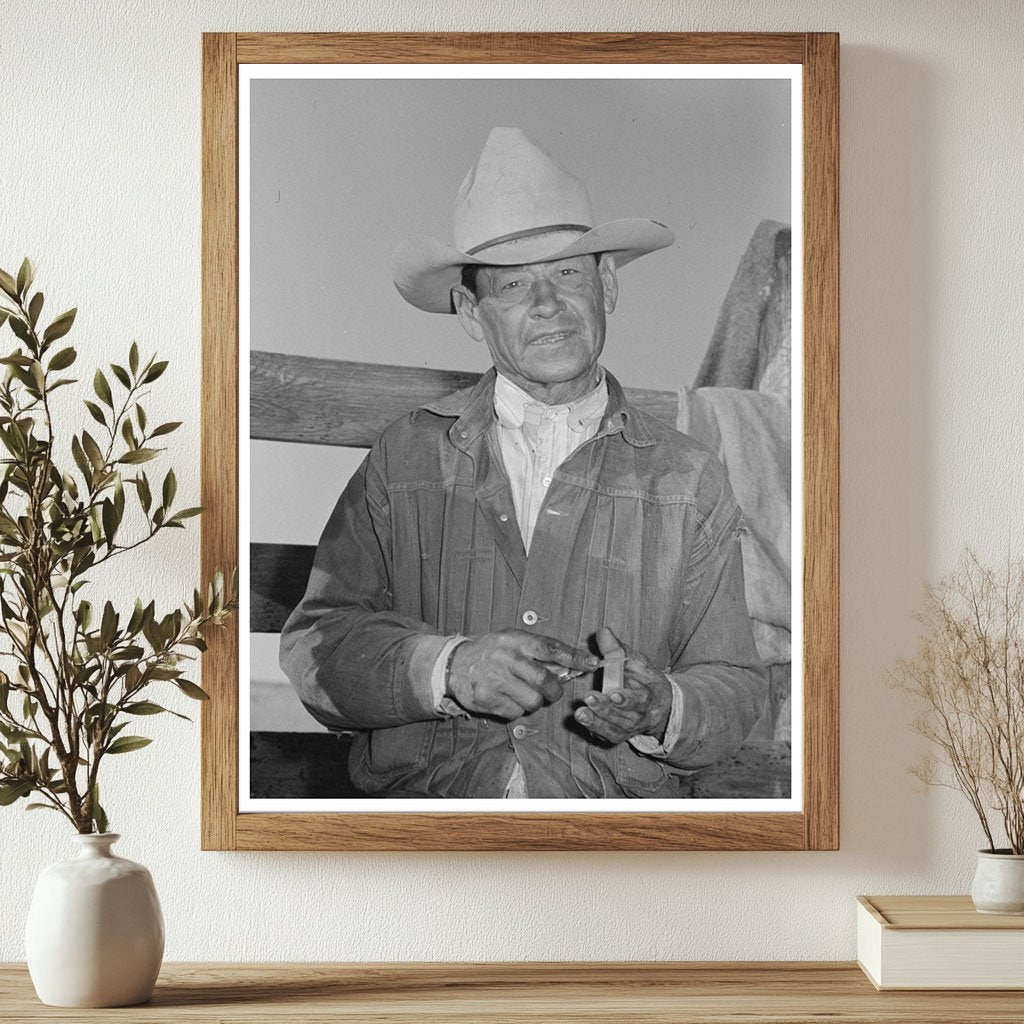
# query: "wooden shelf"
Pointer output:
{"type": "Point", "coordinates": [639, 993]}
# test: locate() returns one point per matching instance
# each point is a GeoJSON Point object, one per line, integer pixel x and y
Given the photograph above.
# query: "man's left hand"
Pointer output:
{"type": "Point", "coordinates": [641, 707]}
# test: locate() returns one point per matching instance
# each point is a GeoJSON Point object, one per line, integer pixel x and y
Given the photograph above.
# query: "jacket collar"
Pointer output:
{"type": "Point", "coordinates": [473, 412]}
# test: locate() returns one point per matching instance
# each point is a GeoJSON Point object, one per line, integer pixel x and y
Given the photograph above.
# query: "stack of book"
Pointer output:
{"type": "Point", "coordinates": [938, 942]}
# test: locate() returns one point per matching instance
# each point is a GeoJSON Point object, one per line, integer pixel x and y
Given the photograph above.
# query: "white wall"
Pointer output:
{"type": "Point", "coordinates": [99, 181]}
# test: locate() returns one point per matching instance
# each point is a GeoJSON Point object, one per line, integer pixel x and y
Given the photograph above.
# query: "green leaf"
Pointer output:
{"type": "Point", "coordinates": [164, 673]}
{"type": "Point", "coordinates": [108, 627]}
{"type": "Point", "coordinates": [144, 707]}
{"type": "Point", "coordinates": [60, 326]}
{"type": "Point", "coordinates": [102, 388]}
{"type": "Point", "coordinates": [125, 744]}
{"type": "Point", "coordinates": [109, 521]}
{"type": "Point", "coordinates": [34, 308]}
{"type": "Point", "coordinates": [133, 358]}
{"type": "Point", "coordinates": [185, 513]}
{"type": "Point", "coordinates": [95, 412]}
{"type": "Point", "coordinates": [128, 433]}
{"type": "Point", "coordinates": [170, 487]}
{"type": "Point", "coordinates": [191, 690]}
{"type": "Point", "coordinates": [139, 455]}
{"type": "Point", "coordinates": [20, 328]}
{"type": "Point", "coordinates": [165, 428]}
{"type": "Point", "coordinates": [135, 622]}
{"type": "Point", "coordinates": [119, 498]}
{"type": "Point", "coordinates": [26, 273]}
{"type": "Point", "coordinates": [145, 498]}
{"type": "Point", "coordinates": [99, 816]}
{"type": "Point", "coordinates": [121, 374]}
{"type": "Point", "coordinates": [42, 807]}
{"type": "Point", "coordinates": [80, 458]}
{"type": "Point", "coordinates": [63, 359]}
{"type": "Point", "coordinates": [11, 733]}
{"type": "Point", "coordinates": [130, 653]}
{"type": "Point", "coordinates": [92, 449]}
{"type": "Point", "coordinates": [140, 415]}
{"type": "Point", "coordinates": [94, 711]}
{"type": "Point", "coordinates": [154, 371]}
{"type": "Point", "coordinates": [11, 791]}
{"type": "Point", "coordinates": [4, 314]}
{"type": "Point", "coordinates": [8, 284]}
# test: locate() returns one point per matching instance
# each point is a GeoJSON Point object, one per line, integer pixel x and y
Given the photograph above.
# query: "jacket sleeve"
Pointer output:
{"type": "Point", "coordinates": [356, 663]}
{"type": "Point", "coordinates": [719, 674]}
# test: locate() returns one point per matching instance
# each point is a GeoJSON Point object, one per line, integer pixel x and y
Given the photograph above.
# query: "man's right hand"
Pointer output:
{"type": "Point", "coordinates": [509, 674]}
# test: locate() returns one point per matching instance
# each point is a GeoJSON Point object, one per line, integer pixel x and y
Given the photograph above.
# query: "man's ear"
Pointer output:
{"type": "Point", "coordinates": [609, 281]}
{"type": "Point", "coordinates": [466, 310]}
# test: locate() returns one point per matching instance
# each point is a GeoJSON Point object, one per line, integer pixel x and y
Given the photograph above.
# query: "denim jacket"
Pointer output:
{"type": "Point", "coordinates": [638, 531]}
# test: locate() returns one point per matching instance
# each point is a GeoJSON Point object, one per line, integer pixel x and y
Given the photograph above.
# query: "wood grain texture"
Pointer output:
{"type": "Point", "coordinates": [937, 912]}
{"type": "Point", "coordinates": [524, 993]}
{"type": "Point", "coordinates": [342, 402]}
{"type": "Point", "coordinates": [219, 429]}
{"type": "Point", "coordinates": [522, 48]}
{"type": "Point", "coordinates": [587, 831]}
{"type": "Point", "coordinates": [817, 827]}
{"type": "Point", "coordinates": [821, 441]}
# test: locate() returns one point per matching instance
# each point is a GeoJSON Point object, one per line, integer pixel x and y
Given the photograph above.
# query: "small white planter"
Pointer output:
{"type": "Point", "coordinates": [999, 883]}
{"type": "Point", "coordinates": [95, 933]}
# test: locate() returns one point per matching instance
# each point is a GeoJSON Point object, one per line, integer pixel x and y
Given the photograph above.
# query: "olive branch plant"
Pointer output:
{"type": "Point", "coordinates": [80, 674]}
{"type": "Point", "coordinates": [966, 681]}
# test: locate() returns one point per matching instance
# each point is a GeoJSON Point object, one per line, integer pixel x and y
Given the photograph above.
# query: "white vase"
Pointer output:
{"type": "Point", "coordinates": [95, 933]}
{"type": "Point", "coordinates": [999, 883]}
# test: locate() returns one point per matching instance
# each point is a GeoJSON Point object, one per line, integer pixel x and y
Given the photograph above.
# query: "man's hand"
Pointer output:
{"type": "Point", "coordinates": [639, 708]}
{"type": "Point", "coordinates": [511, 673]}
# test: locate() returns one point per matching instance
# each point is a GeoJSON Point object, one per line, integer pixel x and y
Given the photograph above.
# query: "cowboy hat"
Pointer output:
{"type": "Point", "coordinates": [517, 205]}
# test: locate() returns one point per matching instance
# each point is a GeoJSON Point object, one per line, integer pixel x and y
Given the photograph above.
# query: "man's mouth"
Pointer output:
{"type": "Point", "coordinates": [552, 337]}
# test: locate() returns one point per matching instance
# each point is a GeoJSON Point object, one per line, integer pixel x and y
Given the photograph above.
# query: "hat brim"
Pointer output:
{"type": "Point", "coordinates": [426, 270]}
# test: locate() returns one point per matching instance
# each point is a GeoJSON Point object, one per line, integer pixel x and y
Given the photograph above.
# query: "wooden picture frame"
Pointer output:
{"type": "Point", "coordinates": [816, 826]}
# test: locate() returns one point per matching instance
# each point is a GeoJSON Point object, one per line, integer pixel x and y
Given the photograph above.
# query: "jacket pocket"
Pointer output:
{"type": "Point", "coordinates": [641, 776]}
{"type": "Point", "coordinates": [382, 757]}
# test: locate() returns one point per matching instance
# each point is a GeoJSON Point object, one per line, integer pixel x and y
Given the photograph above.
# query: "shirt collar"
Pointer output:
{"type": "Point", "coordinates": [473, 412]}
{"type": "Point", "coordinates": [513, 406]}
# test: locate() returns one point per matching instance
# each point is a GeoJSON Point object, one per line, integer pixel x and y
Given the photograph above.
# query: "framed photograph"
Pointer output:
{"type": "Point", "coordinates": [521, 420]}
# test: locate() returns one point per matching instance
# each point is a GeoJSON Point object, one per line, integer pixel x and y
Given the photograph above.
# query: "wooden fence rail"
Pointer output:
{"type": "Point", "coordinates": [337, 402]}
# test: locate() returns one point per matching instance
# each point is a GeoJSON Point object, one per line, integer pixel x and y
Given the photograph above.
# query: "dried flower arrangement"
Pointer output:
{"type": "Point", "coordinates": [967, 682]}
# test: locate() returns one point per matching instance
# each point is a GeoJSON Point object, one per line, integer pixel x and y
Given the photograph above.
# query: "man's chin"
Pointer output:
{"type": "Point", "coordinates": [557, 369]}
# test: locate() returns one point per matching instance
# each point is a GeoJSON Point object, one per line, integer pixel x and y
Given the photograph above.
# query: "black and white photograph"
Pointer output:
{"type": "Point", "coordinates": [518, 496]}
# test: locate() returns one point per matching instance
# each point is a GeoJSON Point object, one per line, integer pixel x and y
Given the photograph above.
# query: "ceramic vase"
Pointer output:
{"type": "Point", "coordinates": [95, 933]}
{"type": "Point", "coordinates": [999, 882]}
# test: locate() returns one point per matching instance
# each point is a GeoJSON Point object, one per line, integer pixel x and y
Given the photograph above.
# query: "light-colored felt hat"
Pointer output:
{"type": "Point", "coordinates": [517, 205]}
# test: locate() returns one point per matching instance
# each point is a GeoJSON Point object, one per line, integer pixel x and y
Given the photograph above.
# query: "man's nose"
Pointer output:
{"type": "Point", "coordinates": [545, 298]}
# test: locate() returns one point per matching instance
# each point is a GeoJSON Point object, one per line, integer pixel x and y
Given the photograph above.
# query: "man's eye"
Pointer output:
{"type": "Point", "coordinates": [510, 285]}
{"type": "Point", "coordinates": [568, 271]}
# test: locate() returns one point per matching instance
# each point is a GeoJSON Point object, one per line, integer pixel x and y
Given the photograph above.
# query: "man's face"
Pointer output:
{"type": "Point", "coordinates": [544, 323]}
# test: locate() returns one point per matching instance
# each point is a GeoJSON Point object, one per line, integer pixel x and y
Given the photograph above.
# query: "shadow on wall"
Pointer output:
{"type": "Point", "coordinates": [887, 278]}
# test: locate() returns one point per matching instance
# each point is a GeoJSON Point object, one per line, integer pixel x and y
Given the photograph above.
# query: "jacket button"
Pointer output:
{"type": "Point", "coordinates": [503, 517]}
{"type": "Point", "coordinates": [530, 617]}
{"type": "Point", "coordinates": [519, 732]}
